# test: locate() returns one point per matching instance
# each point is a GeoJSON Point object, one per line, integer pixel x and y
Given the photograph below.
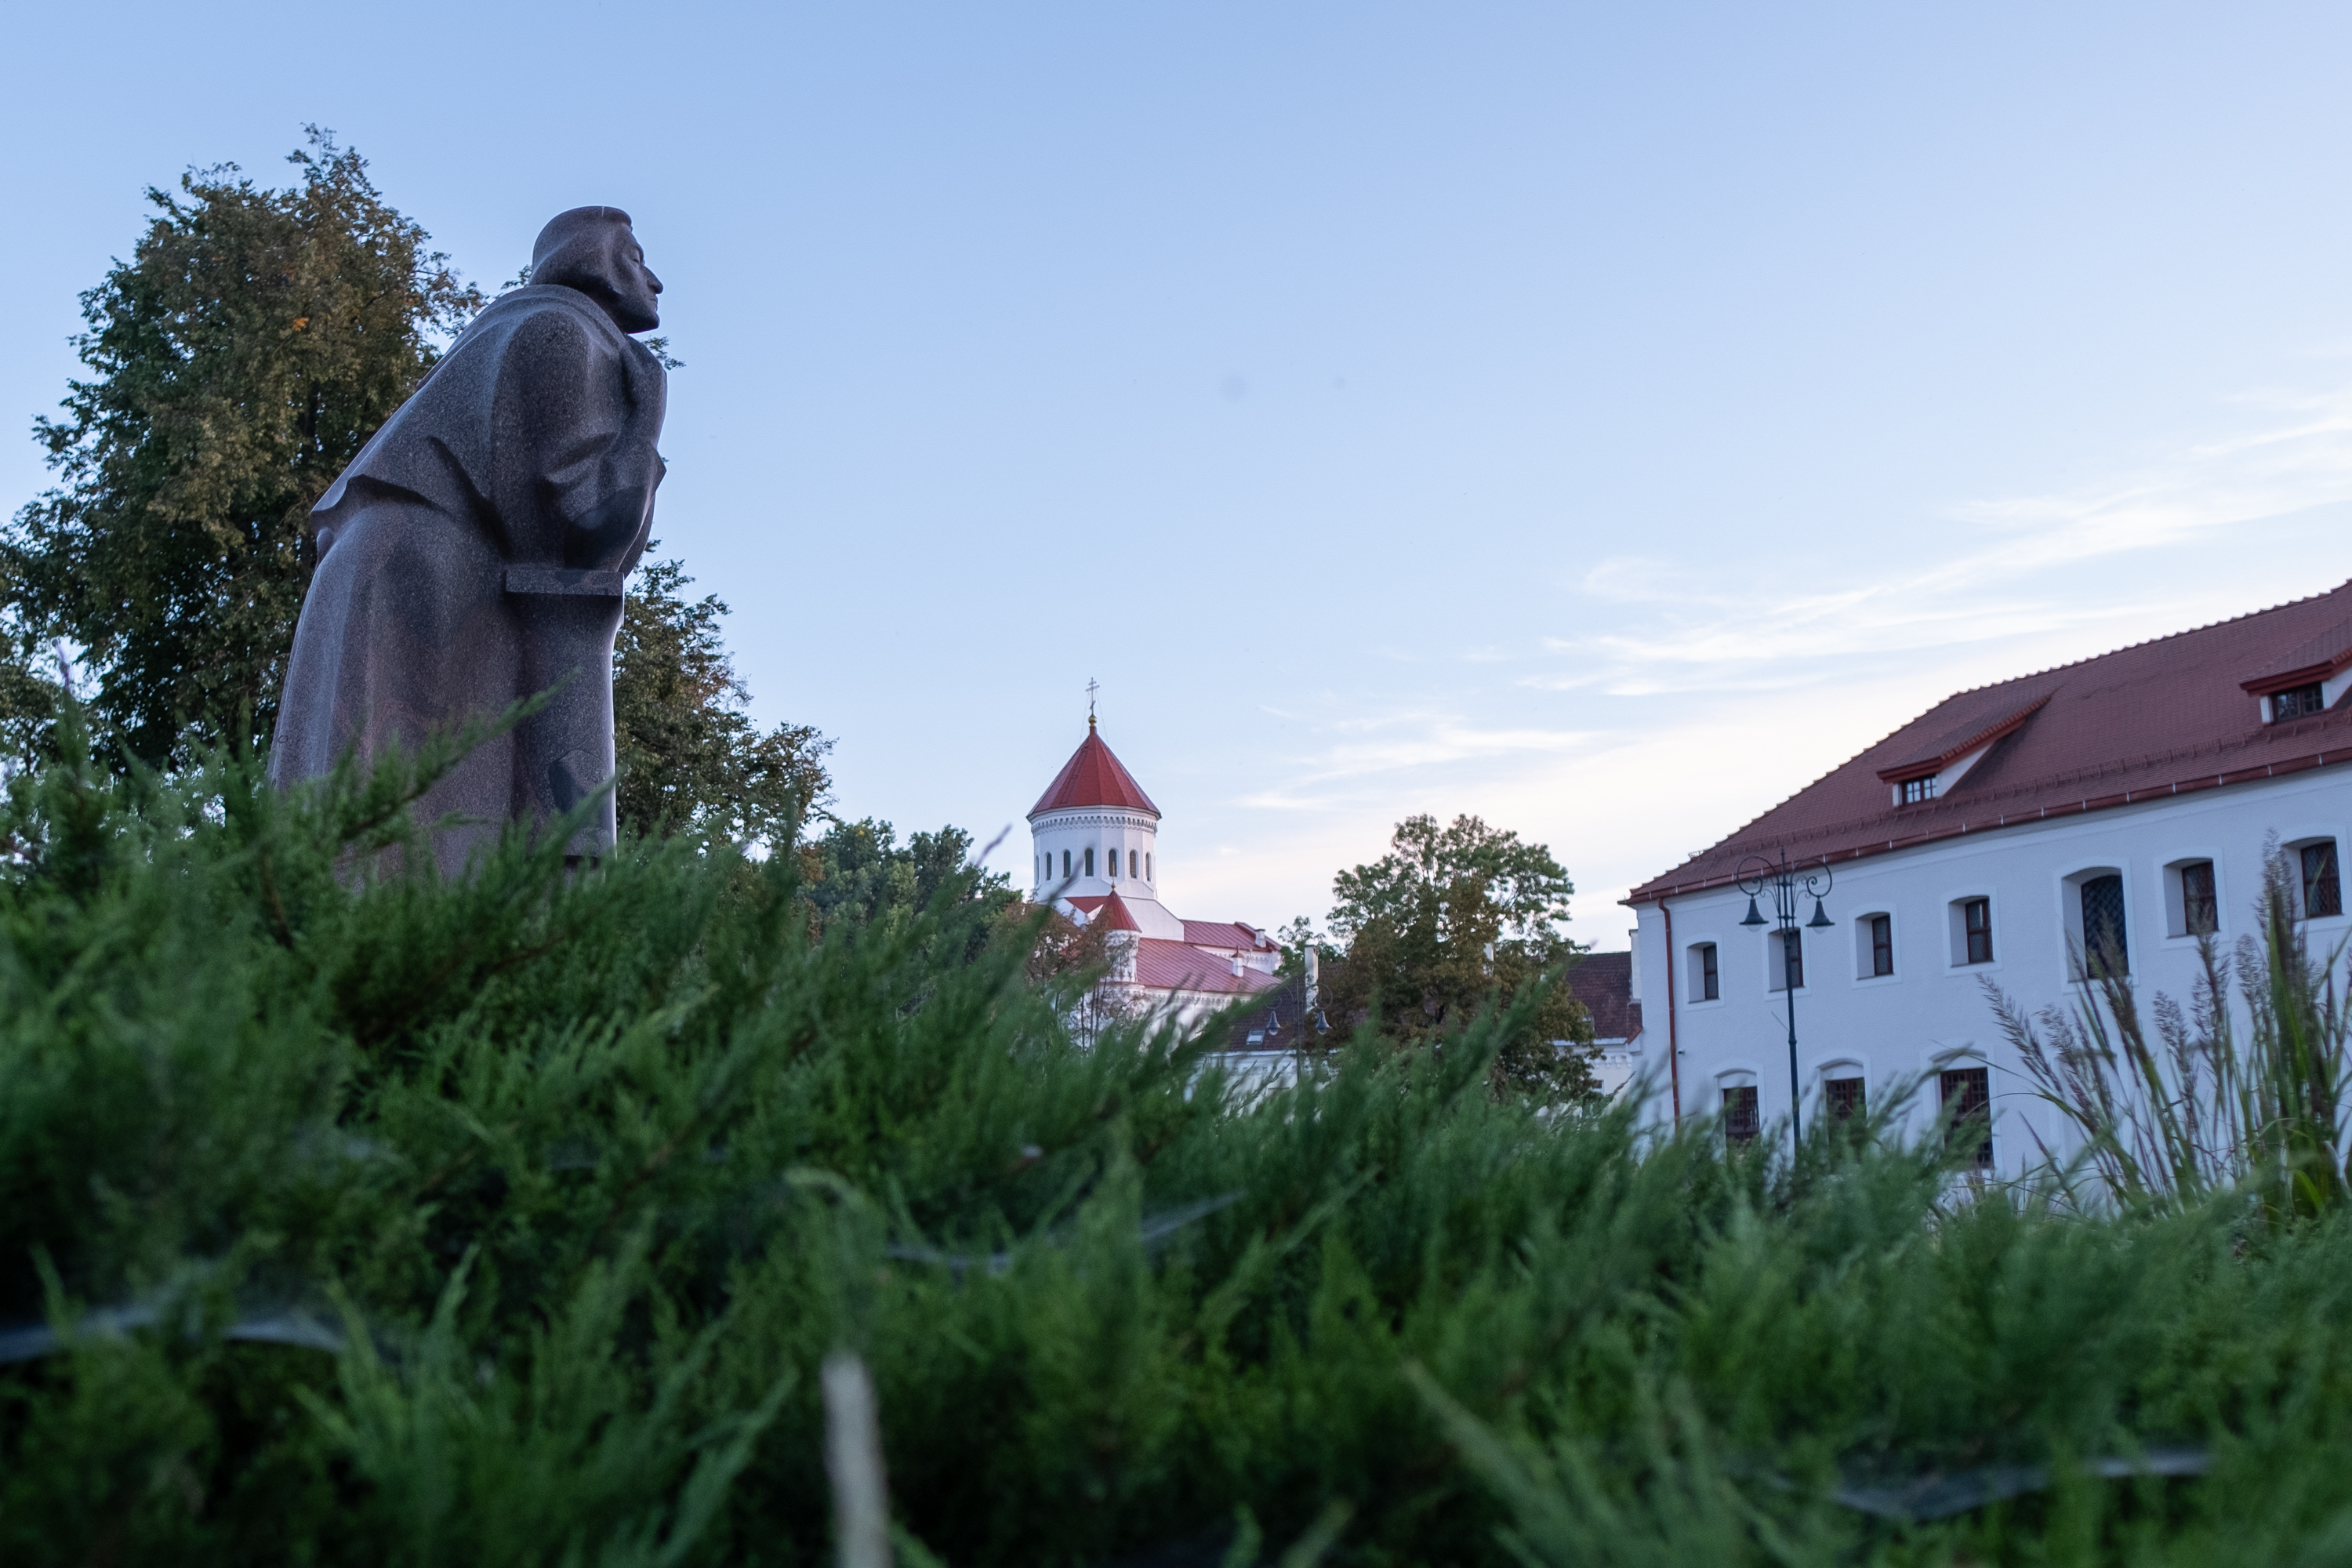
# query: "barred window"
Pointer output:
{"type": "Point", "coordinates": [2103, 954]}
{"type": "Point", "coordinates": [1742, 1121]}
{"type": "Point", "coordinates": [2323, 892]}
{"type": "Point", "coordinates": [1967, 1102]}
{"type": "Point", "coordinates": [1845, 1098]}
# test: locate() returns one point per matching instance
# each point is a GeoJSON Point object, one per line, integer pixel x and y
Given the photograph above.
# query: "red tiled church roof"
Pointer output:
{"type": "Point", "coordinates": [1177, 965]}
{"type": "Point", "coordinates": [2162, 718]}
{"type": "Point", "coordinates": [1093, 777]}
{"type": "Point", "coordinates": [1225, 934]}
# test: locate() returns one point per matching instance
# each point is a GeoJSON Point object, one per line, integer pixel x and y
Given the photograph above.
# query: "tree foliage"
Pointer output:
{"type": "Point", "coordinates": [239, 359]}
{"type": "Point", "coordinates": [1451, 921]}
{"type": "Point", "coordinates": [690, 757]}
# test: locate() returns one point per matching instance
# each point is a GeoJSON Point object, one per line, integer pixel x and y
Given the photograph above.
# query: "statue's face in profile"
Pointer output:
{"type": "Point", "coordinates": [635, 302]}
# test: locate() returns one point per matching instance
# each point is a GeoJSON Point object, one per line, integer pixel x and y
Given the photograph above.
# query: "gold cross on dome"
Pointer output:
{"type": "Point", "coordinates": [1091, 688]}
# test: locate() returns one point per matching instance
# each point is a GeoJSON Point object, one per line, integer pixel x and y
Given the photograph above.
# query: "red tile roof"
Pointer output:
{"type": "Point", "coordinates": [2317, 660]}
{"type": "Point", "coordinates": [1093, 777]}
{"type": "Point", "coordinates": [1949, 748]}
{"type": "Point", "coordinates": [1226, 934]}
{"type": "Point", "coordinates": [2162, 718]}
{"type": "Point", "coordinates": [1116, 915]}
{"type": "Point", "coordinates": [1177, 965]}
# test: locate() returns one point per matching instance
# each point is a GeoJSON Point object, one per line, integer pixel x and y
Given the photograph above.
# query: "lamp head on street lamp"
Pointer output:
{"type": "Point", "coordinates": [1755, 915]}
{"type": "Point", "coordinates": [1820, 921]}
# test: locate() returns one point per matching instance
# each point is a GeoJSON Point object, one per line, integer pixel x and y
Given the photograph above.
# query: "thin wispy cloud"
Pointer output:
{"type": "Point", "coordinates": [2043, 565]}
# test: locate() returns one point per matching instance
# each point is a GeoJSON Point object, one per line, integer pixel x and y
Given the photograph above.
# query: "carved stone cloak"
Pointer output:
{"type": "Point", "coordinates": [473, 553]}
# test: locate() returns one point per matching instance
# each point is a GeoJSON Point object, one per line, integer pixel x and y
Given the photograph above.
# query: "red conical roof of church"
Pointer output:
{"type": "Point", "coordinates": [1093, 777]}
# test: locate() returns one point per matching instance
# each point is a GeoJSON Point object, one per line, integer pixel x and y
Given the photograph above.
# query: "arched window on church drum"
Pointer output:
{"type": "Point", "coordinates": [1066, 862]}
{"type": "Point", "coordinates": [1146, 865]}
{"type": "Point", "coordinates": [1133, 858]}
{"type": "Point", "coordinates": [1090, 862]}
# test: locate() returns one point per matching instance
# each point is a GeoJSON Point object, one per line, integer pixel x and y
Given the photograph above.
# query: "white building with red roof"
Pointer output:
{"type": "Point", "coordinates": [1093, 837]}
{"type": "Point", "coordinates": [2122, 804]}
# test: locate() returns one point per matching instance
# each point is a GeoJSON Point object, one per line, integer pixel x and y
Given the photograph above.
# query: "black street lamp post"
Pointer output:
{"type": "Point", "coordinates": [1789, 883]}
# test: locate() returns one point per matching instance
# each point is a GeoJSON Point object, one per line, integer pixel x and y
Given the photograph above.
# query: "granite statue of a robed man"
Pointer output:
{"type": "Point", "coordinates": [473, 552]}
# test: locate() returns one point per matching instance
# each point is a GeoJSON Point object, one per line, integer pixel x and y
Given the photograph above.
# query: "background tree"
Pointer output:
{"type": "Point", "coordinates": [690, 757]}
{"type": "Point", "coordinates": [859, 873]}
{"type": "Point", "coordinates": [1450, 919]}
{"type": "Point", "coordinates": [250, 346]}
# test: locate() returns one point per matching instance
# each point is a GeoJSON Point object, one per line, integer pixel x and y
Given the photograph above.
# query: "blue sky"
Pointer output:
{"type": "Point", "coordinates": [1604, 420]}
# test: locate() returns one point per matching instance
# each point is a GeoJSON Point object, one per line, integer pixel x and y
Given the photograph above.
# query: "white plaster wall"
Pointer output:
{"type": "Point", "coordinates": [1107, 830]}
{"type": "Point", "coordinates": [1932, 1013]}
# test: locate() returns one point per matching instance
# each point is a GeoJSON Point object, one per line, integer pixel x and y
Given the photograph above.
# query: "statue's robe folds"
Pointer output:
{"type": "Point", "coordinates": [472, 554]}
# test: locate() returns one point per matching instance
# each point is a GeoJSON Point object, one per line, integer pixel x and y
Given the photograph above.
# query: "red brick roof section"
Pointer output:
{"type": "Point", "coordinates": [2162, 717]}
{"type": "Point", "coordinates": [1603, 982]}
{"type": "Point", "coordinates": [1177, 965]}
{"type": "Point", "coordinates": [1093, 777]}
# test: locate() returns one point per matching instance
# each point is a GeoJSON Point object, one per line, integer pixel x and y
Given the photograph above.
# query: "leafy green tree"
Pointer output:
{"type": "Point", "coordinates": [238, 361]}
{"type": "Point", "coordinates": [859, 873]}
{"type": "Point", "coordinates": [690, 757]}
{"type": "Point", "coordinates": [1451, 921]}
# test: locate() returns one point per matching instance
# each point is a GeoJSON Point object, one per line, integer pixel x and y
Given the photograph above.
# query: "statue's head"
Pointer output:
{"type": "Point", "coordinates": [594, 249]}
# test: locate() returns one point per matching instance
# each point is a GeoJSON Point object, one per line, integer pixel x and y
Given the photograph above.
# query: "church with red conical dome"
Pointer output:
{"type": "Point", "coordinates": [1093, 837]}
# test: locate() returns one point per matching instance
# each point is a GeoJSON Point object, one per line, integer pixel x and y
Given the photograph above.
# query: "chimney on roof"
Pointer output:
{"type": "Point", "coordinates": [1237, 965]}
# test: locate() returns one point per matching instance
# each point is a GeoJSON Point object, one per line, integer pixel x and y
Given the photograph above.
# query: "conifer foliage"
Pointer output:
{"type": "Point", "coordinates": [351, 1217]}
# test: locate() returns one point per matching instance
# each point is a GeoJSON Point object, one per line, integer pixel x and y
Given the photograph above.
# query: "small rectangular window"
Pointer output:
{"type": "Point", "coordinates": [2201, 911]}
{"type": "Point", "coordinates": [1916, 790]}
{"type": "Point", "coordinates": [2104, 952]}
{"type": "Point", "coordinates": [2300, 703]}
{"type": "Point", "coordinates": [1976, 920]}
{"type": "Point", "coordinates": [1882, 945]}
{"type": "Point", "coordinates": [1967, 1102]}
{"type": "Point", "coordinates": [1706, 985]}
{"type": "Point", "coordinates": [1792, 960]}
{"type": "Point", "coordinates": [2323, 890]}
{"type": "Point", "coordinates": [1844, 1097]}
{"type": "Point", "coordinates": [1742, 1119]}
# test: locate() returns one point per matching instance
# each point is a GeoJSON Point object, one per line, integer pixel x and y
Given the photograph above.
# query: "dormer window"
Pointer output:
{"type": "Point", "coordinates": [2299, 702]}
{"type": "Point", "coordinates": [1916, 790]}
